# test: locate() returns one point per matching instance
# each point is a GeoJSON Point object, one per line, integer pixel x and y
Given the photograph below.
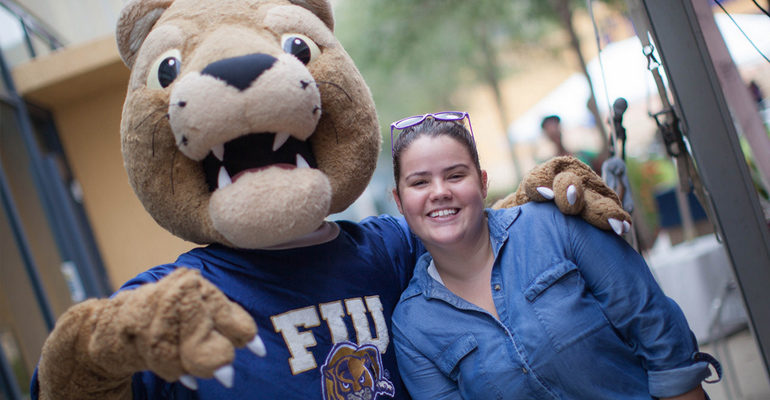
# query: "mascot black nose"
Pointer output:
{"type": "Point", "coordinates": [240, 71]}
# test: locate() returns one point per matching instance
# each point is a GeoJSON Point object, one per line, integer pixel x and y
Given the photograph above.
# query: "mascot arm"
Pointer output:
{"type": "Point", "coordinates": [179, 327]}
{"type": "Point", "coordinates": [576, 189]}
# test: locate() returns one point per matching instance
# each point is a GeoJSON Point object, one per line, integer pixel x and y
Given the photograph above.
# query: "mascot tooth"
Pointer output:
{"type": "Point", "coordinates": [245, 125]}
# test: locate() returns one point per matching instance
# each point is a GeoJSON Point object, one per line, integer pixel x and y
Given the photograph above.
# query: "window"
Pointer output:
{"type": "Point", "coordinates": [24, 187]}
{"type": "Point", "coordinates": [22, 327]}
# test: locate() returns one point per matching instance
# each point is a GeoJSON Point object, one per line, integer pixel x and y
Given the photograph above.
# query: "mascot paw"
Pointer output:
{"type": "Point", "coordinates": [576, 189]}
{"type": "Point", "coordinates": [179, 328]}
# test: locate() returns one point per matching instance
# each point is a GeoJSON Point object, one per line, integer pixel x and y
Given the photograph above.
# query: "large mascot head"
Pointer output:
{"type": "Point", "coordinates": [246, 123]}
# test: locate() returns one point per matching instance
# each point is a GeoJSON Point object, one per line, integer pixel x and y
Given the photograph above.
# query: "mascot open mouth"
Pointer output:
{"type": "Point", "coordinates": [252, 152]}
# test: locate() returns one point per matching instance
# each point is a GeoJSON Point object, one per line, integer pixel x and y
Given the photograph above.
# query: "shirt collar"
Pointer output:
{"type": "Point", "coordinates": [498, 221]}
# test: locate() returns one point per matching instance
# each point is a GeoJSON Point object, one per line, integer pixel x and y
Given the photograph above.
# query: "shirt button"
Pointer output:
{"type": "Point", "coordinates": [524, 370]}
{"type": "Point", "coordinates": [497, 287]}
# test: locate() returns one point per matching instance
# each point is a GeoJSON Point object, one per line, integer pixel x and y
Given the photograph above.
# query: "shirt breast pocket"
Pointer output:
{"type": "Point", "coordinates": [463, 362]}
{"type": "Point", "coordinates": [564, 306]}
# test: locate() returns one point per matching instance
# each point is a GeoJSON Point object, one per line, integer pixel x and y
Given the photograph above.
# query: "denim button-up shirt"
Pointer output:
{"type": "Point", "coordinates": [580, 317]}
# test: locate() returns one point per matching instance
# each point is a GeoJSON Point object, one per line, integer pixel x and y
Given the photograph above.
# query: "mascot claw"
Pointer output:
{"type": "Point", "coordinates": [189, 382]}
{"type": "Point", "coordinates": [571, 194]}
{"type": "Point", "coordinates": [619, 227]}
{"type": "Point", "coordinates": [257, 346]}
{"type": "Point", "coordinates": [225, 375]}
{"type": "Point", "coordinates": [545, 192]}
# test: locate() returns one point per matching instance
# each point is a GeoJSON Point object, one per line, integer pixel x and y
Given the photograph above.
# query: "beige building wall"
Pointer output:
{"type": "Point", "coordinates": [84, 87]}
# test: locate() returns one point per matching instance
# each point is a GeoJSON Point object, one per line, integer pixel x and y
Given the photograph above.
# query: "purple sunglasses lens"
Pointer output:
{"type": "Point", "coordinates": [407, 122]}
{"type": "Point", "coordinates": [449, 116]}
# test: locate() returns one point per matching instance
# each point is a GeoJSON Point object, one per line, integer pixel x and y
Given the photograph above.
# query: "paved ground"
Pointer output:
{"type": "Point", "coordinates": [745, 376]}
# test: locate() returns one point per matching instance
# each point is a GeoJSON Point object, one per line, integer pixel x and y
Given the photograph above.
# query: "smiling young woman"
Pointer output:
{"type": "Point", "coordinates": [524, 303]}
{"type": "Point", "coordinates": [441, 194]}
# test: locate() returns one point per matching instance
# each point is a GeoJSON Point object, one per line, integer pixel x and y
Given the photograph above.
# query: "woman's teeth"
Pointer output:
{"type": "Point", "coordinates": [442, 213]}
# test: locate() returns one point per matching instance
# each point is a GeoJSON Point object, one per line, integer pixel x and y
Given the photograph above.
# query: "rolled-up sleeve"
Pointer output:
{"type": "Point", "coordinates": [652, 324]}
{"type": "Point", "coordinates": [674, 382]}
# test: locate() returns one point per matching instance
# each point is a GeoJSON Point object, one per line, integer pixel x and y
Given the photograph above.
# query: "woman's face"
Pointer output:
{"type": "Point", "coordinates": [440, 192]}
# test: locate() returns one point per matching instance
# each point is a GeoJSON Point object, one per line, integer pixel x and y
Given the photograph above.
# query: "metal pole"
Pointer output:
{"type": "Point", "coordinates": [721, 164]}
{"type": "Point", "coordinates": [19, 236]}
{"type": "Point", "coordinates": [742, 106]}
{"type": "Point", "coordinates": [8, 386]}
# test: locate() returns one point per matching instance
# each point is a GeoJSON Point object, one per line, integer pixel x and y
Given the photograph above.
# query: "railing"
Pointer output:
{"type": "Point", "coordinates": [32, 28]}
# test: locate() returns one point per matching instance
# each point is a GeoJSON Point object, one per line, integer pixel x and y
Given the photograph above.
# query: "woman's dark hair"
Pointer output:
{"type": "Point", "coordinates": [433, 128]}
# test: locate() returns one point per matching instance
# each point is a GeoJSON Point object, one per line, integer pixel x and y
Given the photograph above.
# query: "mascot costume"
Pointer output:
{"type": "Point", "coordinates": [245, 125]}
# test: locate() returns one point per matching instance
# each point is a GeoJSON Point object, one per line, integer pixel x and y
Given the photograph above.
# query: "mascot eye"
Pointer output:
{"type": "Point", "coordinates": [164, 70]}
{"type": "Point", "coordinates": [301, 47]}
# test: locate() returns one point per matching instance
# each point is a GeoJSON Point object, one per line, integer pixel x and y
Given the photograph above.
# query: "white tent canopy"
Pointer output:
{"type": "Point", "coordinates": [627, 76]}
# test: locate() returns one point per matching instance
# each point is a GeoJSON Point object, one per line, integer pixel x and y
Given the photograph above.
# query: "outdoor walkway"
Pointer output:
{"type": "Point", "coordinates": [746, 379]}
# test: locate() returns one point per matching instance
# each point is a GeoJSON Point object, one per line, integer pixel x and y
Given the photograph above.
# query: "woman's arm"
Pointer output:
{"type": "Point", "coordinates": [654, 325]}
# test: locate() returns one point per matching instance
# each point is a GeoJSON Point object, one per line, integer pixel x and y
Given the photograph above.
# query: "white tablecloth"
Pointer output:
{"type": "Point", "coordinates": [695, 274]}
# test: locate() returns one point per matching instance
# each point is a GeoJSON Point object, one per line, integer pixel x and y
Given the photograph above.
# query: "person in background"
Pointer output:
{"type": "Point", "coordinates": [756, 94]}
{"type": "Point", "coordinates": [551, 126]}
{"type": "Point", "coordinates": [524, 303]}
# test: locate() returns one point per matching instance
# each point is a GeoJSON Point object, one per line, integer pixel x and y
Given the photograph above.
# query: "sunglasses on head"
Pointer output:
{"type": "Point", "coordinates": [418, 119]}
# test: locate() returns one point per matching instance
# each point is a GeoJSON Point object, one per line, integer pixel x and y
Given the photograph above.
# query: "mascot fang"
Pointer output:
{"type": "Point", "coordinates": [245, 125]}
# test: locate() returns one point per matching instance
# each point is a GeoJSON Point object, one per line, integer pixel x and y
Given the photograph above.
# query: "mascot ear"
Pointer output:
{"type": "Point", "coordinates": [321, 8]}
{"type": "Point", "coordinates": [134, 23]}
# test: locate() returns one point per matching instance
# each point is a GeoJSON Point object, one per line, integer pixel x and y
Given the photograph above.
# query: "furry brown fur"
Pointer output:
{"type": "Point", "coordinates": [595, 201]}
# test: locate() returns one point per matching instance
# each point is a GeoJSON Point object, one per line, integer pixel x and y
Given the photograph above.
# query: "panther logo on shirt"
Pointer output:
{"type": "Point", "coordinates": [354, 373]}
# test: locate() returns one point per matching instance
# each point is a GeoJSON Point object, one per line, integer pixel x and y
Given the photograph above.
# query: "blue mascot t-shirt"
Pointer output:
{"type": "Point", "coordinates": [323, 311]}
